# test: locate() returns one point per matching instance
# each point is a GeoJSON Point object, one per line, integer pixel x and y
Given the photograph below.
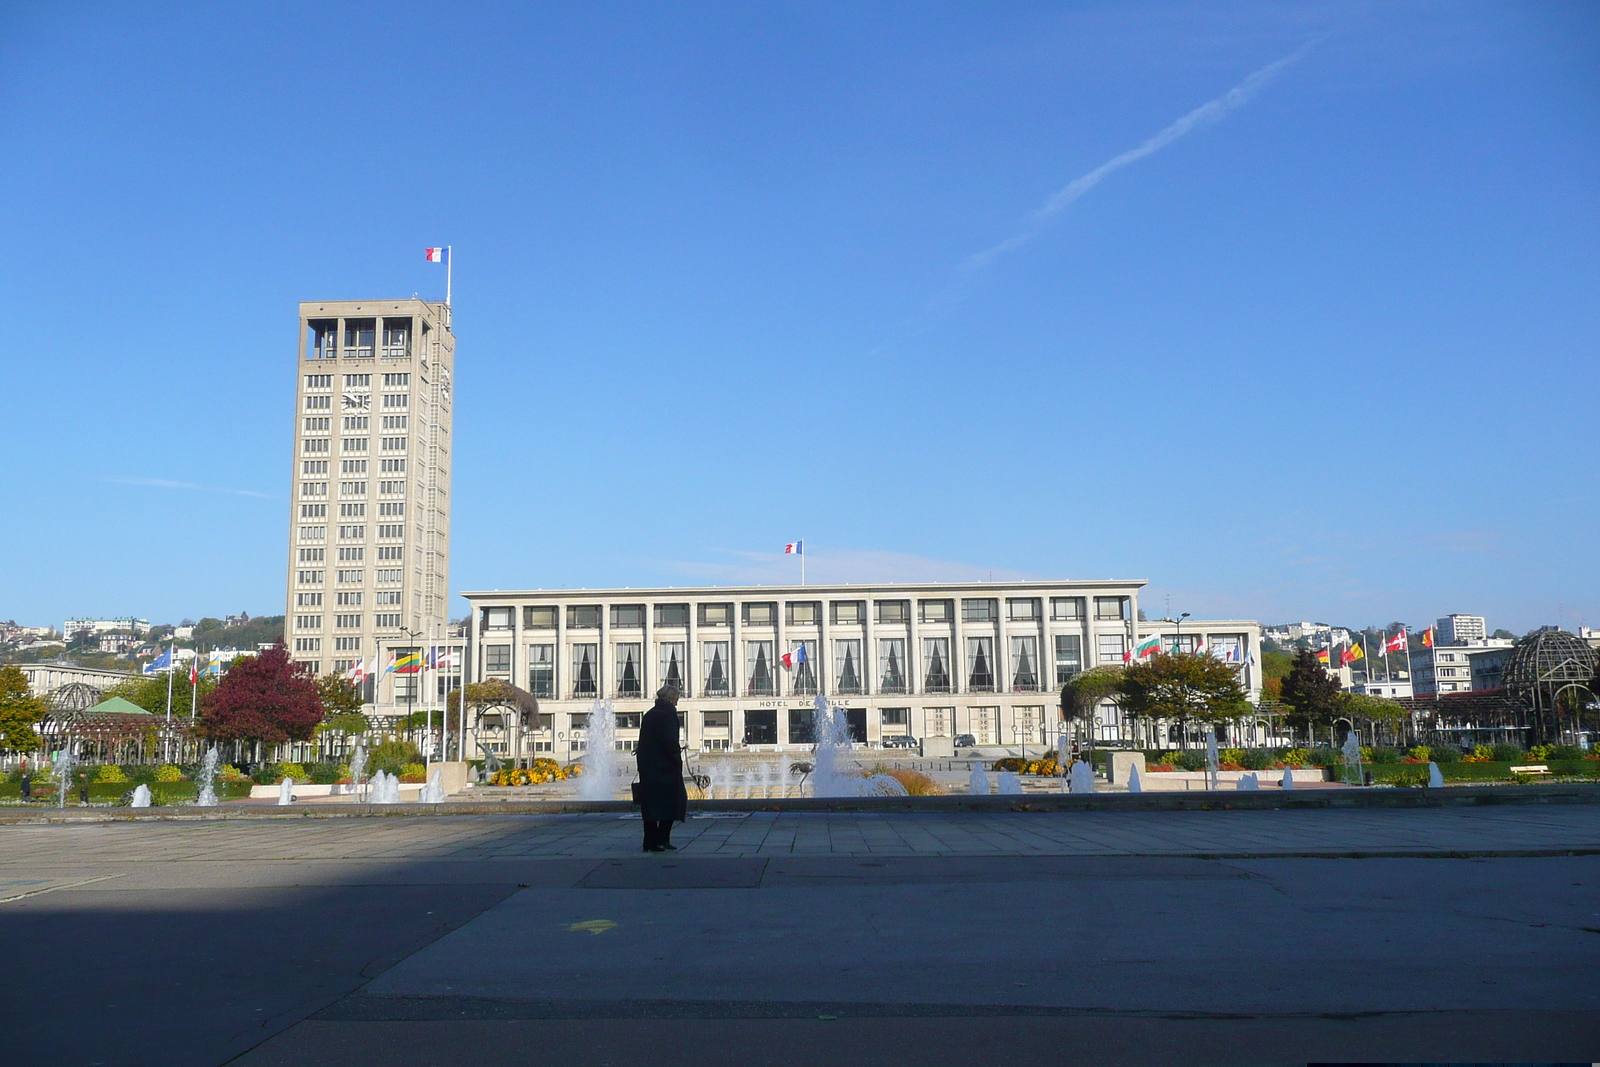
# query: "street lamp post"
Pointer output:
{"type": "Point", "coordinates": [411, 693]}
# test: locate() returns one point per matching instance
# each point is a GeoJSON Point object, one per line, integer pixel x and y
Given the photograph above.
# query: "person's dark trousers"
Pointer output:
{"type": "Point", "coordinates": [657, 834]}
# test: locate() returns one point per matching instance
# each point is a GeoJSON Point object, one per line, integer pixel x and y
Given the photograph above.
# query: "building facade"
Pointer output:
{"type": "Point", "coordinates": [984, 660]}
{"type": "Point", "coordinates": [369, 526]}
{"type": "Point", "coordinates": [1460, 630]}
{"type": "Point", "coordinates": [1457, 668]}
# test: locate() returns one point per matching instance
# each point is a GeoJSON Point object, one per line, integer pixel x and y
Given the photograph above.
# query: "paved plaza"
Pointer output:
{"type": "Point", "coordinates": [1275, 936]}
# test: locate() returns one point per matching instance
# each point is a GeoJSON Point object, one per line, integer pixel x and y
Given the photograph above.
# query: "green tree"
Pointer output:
{"type": "Point", "coordinates": [1084, 693]}
{"type": "Point", "coordinates": [339, 696]}
{"type": "Point", "coordinates": [150, 693]}
{"type": "Point", "coordinates": [1311, 693]}
{"type": "Point", "coordinates": [1183, 687]}
{"type": "Point", "coordinates": [1371, 708]}
{"type": "Point", "coordinates": [20, 711]}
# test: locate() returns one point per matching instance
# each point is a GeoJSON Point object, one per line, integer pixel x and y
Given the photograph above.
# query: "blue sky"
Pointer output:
{"type": "Point", "coordinates": [1328, 352]}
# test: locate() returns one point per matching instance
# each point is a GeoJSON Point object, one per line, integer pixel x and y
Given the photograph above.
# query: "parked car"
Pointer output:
{"type": "Point", "coordinates": [966, 741]}
{"type": "Point", "coordinates": [901, 741]}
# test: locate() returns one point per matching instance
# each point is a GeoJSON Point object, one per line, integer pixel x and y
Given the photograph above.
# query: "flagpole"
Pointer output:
{"type": "Point", "coordinates": [449, 265]}
{"type": "Point", "coordinates": [802, 555]}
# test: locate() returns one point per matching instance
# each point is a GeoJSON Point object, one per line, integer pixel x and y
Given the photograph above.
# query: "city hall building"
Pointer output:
{"type": "Point", "coordinates": [984, 659]}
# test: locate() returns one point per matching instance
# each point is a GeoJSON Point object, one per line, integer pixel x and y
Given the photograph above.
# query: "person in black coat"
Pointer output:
{"type": "Point", "coordinates": [662, 798]}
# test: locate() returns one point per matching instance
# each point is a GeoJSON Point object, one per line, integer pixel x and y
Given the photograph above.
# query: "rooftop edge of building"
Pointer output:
{"type": "Point", "coordinates": [690, 590]}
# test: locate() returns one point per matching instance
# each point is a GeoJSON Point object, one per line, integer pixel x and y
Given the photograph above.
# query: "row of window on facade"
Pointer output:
{"type": "Point", "coordinates": [398, 380]}
{"type": "Point", "coordinates": [359, 337]}
{"type": "Point", "coordinates": [795, 726]}
{"type": "Point", "coordinates": [765, 675]}
{"type": "Point", "coordinates": [319, 467]}
{"type": "Point", "coordinates": [312, 446]}
{"type": "Point", "coordinates": [807, 612]}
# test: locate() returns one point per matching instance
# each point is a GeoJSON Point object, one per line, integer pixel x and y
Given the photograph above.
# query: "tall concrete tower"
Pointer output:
{"type": "Point", "coordinates": [369, 531]}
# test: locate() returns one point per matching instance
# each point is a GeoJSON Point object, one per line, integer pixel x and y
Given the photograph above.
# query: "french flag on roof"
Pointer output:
{"type": "Point", "coordinates": [794, 548]}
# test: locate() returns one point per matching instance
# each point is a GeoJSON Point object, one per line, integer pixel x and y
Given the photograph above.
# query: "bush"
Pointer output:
{"type": "Point", "coordinates": [1566, 752]}
{"type": "Point", "coordinates": [1410, 779]}
{"type": "Point", "coordinates": [168, 773]}
{"type": "Point", "coordinates": [1507, 753]}
{"type": "Point", "coordinates": [543, 770]}
{"type": "Point", "coordinates": [916, 783]}
{"type": "Point", "coordinates": [1295, 757]}
{"type": "Point", "coordinates": [1190, 760]}
{"type": "Point", "coordinates": [1384, 754]}
{"type": "Point", "coordinates": [1324, 757]}
{"type": "Point", "coordinates": [1256, 759]}
{"type": "Point", "coordinates": [1421, 752]}
{"type": "Point", "coordinates": [110, 773]}
{"type": "Point", "coordinates": [229, 773]}
{"type": "Point", "coordinates": [1443, 754]}
{"type": "Point", "coordinates": [390, 756]}
{"type": "Point", "coordinates": [1021, 766]}
{"type": "Point", "coordinates": [413, 772]}
{"type": "Point", "coordinates": [329, 773]}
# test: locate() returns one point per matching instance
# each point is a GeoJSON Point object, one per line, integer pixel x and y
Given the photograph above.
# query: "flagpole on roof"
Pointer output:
{"type": "Point", "coordinates": [449, 265]}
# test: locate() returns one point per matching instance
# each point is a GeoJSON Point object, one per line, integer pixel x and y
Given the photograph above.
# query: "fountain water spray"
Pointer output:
{"type": "Point", "coordinates": [433, 792]}
{"type": "Point", "coordinates": [978, 781]}
{"type": "Point", "coordinates": [141, 797]}
{"type": "Point", "coordinates": [286, 792]}
{"type": "Point", "coordinates": [1288, 778]}
{"type": "Point", "coordinates": [1249, 782]}
{"type": "Point", "coordinates": [1081, 780]}
{"type": "Point", "coordinates": [1211, 759]}
{"type": "Point", "coordinates": [358, 767]}
{"type": "Point", "coordinates": [1010, 785]}
{"type": "Point", "coordinates": [832, 732]}
{"type": "Point", "coordinates": [1135, 783]}
{"type": "Point", "coordinates": [1352, 759]}
{"type": "Point", "coordinates": [599, 778]}
{"type": "Point", "coordinates": [1435, 779]}
{"type": "Point", "coordinates": [62, 769]}
{"type": "Point", "coordinates": [207, 797]}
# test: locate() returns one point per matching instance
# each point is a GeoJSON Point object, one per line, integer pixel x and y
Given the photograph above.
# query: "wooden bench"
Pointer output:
{"type": "Point", "coordinates": [1534, 768]}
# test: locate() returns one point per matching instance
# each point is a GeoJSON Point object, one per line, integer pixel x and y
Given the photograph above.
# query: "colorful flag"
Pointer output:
{"type": "Point", "coordinates": [1396, 643]}
{"type": "Point", "coordinates": [1350, 655]}
{"type": "Point", "coordinates": [794, 548]}
{"type": "Point", "coordinates": [194, 675]}
{"type": "Point", "coordinates": [1148, 647]}
{"type": "Point", "coordinates": [435, 255]}
{"type": "Point", "coordinates": [1323, 655]}
{"type": "Point", "coordinates": [408, 662]}
{"type": "Point", "coordinates": [357, 673]}
{"type": "Point", "coordinates": [1427, 638]}
{"type": "Point", "coordinates": [793, 659]}
{"type": "Point", "coordinates": [442, 658]}
{"type": "Point", "coordinates": [161, 662]}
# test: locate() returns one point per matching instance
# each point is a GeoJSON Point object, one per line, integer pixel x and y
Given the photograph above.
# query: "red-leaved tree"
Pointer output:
{"type": "Point", "coordinates": [264, 698]}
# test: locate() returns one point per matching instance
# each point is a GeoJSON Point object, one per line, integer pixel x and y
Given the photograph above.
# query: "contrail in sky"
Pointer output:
{"type": "Point", "coordinates": [162, 483]}
{"type": "Point", "coordinates": [1206, 114]}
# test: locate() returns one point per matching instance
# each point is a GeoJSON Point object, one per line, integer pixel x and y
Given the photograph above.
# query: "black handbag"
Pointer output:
{"type": "Point", "coordinates": [634, 788]}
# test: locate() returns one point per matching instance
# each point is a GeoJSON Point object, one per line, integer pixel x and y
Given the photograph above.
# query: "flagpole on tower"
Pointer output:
{"type": "Point", "coordinates": [449, 265]}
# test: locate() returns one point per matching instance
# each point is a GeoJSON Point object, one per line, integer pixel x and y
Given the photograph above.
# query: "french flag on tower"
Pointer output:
{"type": "Point", "coordinates": [794, 548]}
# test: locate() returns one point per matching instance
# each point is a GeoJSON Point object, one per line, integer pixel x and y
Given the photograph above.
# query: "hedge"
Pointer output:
{"type": "Point", "coordinates": [112, 792]}
{"type": "Point", "coordinates": [1480, 772]}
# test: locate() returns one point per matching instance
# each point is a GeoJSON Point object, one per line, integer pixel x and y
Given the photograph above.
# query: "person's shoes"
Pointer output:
{"type": "Point", "coordinates": [656, 848]}
{"type": "Point", "coordinates": [669, 847]}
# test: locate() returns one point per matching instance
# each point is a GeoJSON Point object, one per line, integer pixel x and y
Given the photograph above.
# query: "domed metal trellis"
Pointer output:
{"type": "Point", "coordinates": [1551, 674]}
